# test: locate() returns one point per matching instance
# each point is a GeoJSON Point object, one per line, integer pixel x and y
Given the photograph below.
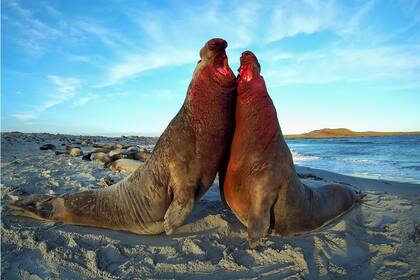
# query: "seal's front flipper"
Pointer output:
{"type": "Point", "coordinates": [259, 214]}
{"type": "Point", "coordinates": [37, 207]}
{"type": "Point", "coordinates": [177, 212]}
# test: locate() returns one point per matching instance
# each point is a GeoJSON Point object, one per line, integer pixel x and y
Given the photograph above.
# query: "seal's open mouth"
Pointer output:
{"type": "Point", "coordinates": [246, 73]}
{"type": "Point", "coordinates": [248, 63]}
{"type": "Point", "coordinates": [221, 64]}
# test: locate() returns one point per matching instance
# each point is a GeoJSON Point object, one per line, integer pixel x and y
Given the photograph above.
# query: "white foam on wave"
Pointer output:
{"type": "Point", "coordinates": [300, 157]}
{"type": "Point", "coordinates": [358, 160]}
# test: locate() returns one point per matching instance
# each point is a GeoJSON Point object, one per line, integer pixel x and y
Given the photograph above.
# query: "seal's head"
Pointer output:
{"type": "Point", "coordinates": [250, 80]}
{"type": "Point", "coordinates": [215, 61]}
{"type": "Point", "coordinates": [249, 68]}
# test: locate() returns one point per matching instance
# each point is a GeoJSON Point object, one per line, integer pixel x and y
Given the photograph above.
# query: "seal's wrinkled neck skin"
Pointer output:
{"type": "Point", "coordinates": [210, 105]}
{"type": "Point", "coordinates": [212, 84]}
{"type": "Point", "coordinates": [254, 106]}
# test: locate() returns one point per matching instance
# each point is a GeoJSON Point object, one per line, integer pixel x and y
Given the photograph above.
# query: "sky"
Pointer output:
{"type": "Point", "coordinates": [123, 67]}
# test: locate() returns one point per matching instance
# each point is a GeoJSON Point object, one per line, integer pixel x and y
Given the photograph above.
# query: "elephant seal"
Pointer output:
{"type": "Point", "coordinates": [124, 165]}
{"type": "Point", "coordinates": [47, 147]}
{"type": "Point", "coordinates": [260, 184]}
{"type": "Point", "coordinates": [75, 152]}
{"type": "Point", "coordinates": [100, 157]}
{"type": "Point", "coordinates": [184, 163]}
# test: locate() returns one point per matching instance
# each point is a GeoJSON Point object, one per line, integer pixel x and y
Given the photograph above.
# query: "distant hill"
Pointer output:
{"type": "Point", "coordinates": [344, 132]}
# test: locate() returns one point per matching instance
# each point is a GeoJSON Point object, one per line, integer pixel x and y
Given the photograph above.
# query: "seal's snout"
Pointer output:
{"type": "Point", "coordinates": [247, 54]}
{"type": "Point", "coordinates": [248, 57]}
{"type": "Point", "coordinates": [217, 44]}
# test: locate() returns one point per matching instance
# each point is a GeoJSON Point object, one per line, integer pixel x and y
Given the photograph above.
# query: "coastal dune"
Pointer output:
{"type": "Point", "coordinates": [378, 238]}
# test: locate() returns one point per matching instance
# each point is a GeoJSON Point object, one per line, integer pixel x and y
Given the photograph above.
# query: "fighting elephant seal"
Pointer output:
{"type": "Point", "coordinates": [184, 163]}
{"type": "Point", "coordinates": [261, 185]}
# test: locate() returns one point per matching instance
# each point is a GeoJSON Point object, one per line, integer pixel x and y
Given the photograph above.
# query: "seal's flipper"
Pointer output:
{"type": "Point", "coordinates": [36, 207]}
{"type": "Point", "coordinates": [259, 214]}
{"type": "Point", "coordinates": [177, 212]}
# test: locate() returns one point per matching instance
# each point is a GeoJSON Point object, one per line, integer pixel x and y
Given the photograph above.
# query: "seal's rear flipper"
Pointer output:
{"type": "Point", "coordinates": [36, 207]}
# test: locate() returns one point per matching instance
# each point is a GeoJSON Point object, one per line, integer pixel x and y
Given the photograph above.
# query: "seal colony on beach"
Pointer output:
{"type": "Point", "coordinates": [261, 185]}
{"type": "Point", "coordinates": [159, 196]}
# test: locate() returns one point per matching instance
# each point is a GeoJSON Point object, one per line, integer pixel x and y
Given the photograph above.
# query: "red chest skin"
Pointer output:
{"type": "Point", "coordinates": [212, 115]}
{"type": "Point", "coordinates": [255, 141]}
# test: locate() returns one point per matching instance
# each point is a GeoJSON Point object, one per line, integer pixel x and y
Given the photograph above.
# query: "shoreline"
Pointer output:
{"type": "Point", "coordinates": [286, 136]}
{"type": "Point", "coordinates": [396, 187]}
{"type": "Point", "coordinates": [293, 137]}
{"type": "Point", "coordinates": [377, 239]}
{"type": "Point", "coordinates": [347, 133]}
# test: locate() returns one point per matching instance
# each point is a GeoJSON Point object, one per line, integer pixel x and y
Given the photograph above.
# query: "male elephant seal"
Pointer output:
{"type": "Point", "coordinates": [261, 185]}
{"type": "Point", "coordinates": [184, 163]}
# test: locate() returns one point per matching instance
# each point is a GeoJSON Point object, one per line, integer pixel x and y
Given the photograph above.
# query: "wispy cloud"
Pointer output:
{"type": "Point", "coordinates": [134, 64]}
{"type": "Point", "coordinates": [106, 35]}
{"type": "Point", "coordinates": [33, 29]}
{"type": "Point", "coordinates": [164, 45]}
{"type": "Point", "coordinates": [144, 37]}
{"type": "Point", "coordinates": [348, 64]}
{"type": "Point", "coordinates": [353, 23]}
{"type": "Point", "coordinates": [64, 89]}
{"type": "Point", "coordinates": [24, 117]}
{"type": "Point", "coordinates": [290, 18]}
{"type": "Point", "coordinates": [83, 100]}
{"type": "Point", "coordinates": [52, 11]}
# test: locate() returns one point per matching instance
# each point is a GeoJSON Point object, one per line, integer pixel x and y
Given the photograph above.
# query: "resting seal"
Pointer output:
{"type": "Point", "coordinates": [261, 185]}
{"type": "Point", "coordinates": [124, 165]}
{"type": "Point", "coordinates": [184, 163]}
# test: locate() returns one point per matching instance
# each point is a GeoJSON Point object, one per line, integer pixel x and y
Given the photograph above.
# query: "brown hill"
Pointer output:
{"type": "Point", "coordinates": [344, 132]}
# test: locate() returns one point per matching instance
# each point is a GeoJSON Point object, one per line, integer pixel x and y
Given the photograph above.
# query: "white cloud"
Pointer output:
{"type": "Point", "coordinates": [290, 18]}
{"type": "Point", "coordinates": [134, 64]}
{"type": "Point", "coordinates": [108, 36]}
{"type": "Point", "coordinates": [348, 64]}
{"type": "Point", "coordinates": [64, 86]}
{"type": "Point", "coordinates": [164, 45]}
{"type": "Point", "coordinates": [64, 89]}
{"type": "Point", "coordinates": [24, 117]}
{"type": "Point", "coordinates": [33, 29]}
{"type": "Point", "coordinates": [81, 101]}
{"type": "Point", "coordinates": [52, 11]}
{"type": "Point", "coordinates": [353, 23]}
{"type": "Point", "coordinates": [165, 38]}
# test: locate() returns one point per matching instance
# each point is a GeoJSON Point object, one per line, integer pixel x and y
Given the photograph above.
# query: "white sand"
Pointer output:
{"type": "Point", "coordinates": [377, 239]}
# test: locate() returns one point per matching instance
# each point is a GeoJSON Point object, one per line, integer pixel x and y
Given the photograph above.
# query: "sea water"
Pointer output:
{"type": "Point", "coordinates": [395, 158]}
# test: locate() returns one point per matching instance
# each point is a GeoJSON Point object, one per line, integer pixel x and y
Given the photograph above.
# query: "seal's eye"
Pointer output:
{"type": "Point", "coordinates": [198, 61]}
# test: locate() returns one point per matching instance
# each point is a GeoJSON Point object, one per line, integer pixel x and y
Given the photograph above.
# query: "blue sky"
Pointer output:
{"type": "Point", "coordinates": [123, 67]}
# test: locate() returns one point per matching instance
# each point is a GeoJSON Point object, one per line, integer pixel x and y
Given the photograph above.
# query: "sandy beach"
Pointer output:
{"type": "Point", "coordinates": [378, 239]}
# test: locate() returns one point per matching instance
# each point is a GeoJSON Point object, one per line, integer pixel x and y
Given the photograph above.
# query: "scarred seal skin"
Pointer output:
{"type": "Point", "coordinates": [260, 184]}
{"type": "Point", "coordinates": [159, 196]}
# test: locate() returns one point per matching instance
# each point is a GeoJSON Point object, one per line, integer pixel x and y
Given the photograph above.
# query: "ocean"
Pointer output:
{"type": "Point", "coordinates": [394, 158]}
